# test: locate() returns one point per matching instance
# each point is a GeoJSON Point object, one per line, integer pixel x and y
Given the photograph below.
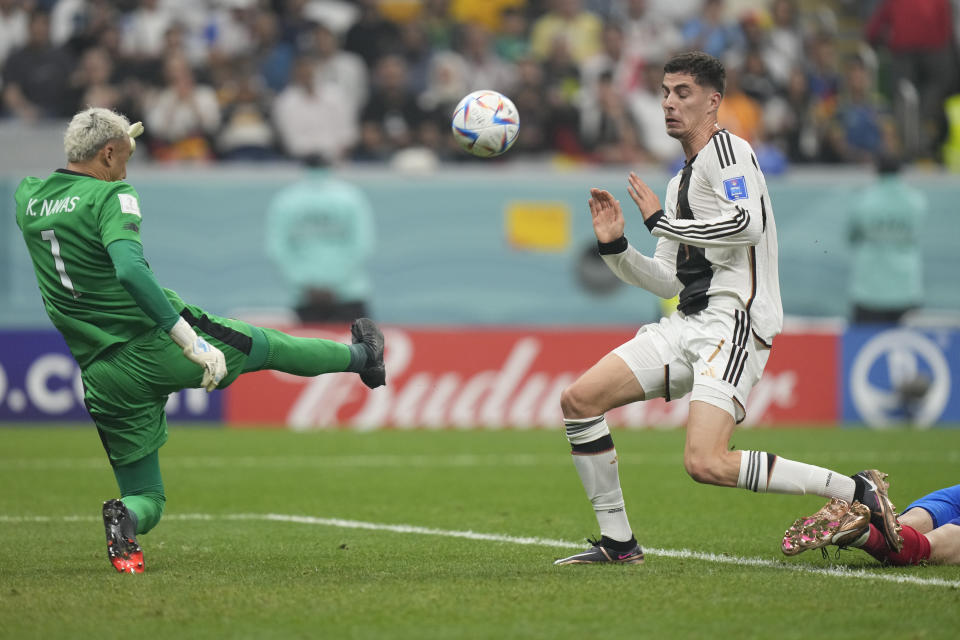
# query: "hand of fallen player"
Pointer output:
{"type": "Point", "coordinates": [644, 197]}
{"type": "Point", "coordinates": [198, 350]}
{"type": "Point", "coordinates": [607, 215]}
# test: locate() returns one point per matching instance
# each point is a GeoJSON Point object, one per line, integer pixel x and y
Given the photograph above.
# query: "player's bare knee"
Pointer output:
{"type": "Point", "coordinates": [702, 468]}
{"type": "Point", "coordinates": [568, 403]}
{"type": "Point", "coordinates": [574, 404]}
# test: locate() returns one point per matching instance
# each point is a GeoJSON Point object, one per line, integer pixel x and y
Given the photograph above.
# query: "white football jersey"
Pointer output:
{"type": "Point", "coordinates": [717, 238]}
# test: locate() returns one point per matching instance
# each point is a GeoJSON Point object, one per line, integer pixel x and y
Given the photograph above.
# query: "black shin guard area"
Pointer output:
{"type": "Point", "coordinates": [617, 545]}
{"type": "Point", "coordinates": [604, 443]}
{"type": "Point", "coordinates": [861, 488]}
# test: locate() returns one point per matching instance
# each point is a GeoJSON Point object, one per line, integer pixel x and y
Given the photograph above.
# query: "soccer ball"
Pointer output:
{"type": "Point", "coordinates": [486, 123]}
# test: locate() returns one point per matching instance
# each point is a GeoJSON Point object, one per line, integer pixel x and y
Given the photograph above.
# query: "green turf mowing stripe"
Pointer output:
{"type": "Point", "coordinates": [685, 554]}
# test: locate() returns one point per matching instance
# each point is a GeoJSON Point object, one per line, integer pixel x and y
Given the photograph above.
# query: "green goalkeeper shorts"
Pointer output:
{"type": "Point", "coordinates": [126, 389]}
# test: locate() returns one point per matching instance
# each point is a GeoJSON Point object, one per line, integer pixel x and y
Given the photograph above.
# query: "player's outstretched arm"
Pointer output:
{"type": "Point", "coordinates": [657, 275]}
{"type": "Point", "coordinates": [135, 276]}
{"type": "Point", "coordinates": [739, 225]}
{"type": "Point", "coordinates": [607, 216]}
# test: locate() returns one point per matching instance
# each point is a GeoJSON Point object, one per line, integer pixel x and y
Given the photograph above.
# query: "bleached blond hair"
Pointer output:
{"type": "Point", "coordinates": [89, 130]}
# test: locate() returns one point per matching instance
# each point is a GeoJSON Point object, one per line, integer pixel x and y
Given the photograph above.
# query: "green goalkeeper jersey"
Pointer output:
{"type": "Point", "coordinates": [68, 220]}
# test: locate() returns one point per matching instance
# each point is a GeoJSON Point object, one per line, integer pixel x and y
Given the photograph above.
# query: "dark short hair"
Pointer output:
{"type": "Point", "coordinates": [706, 70]}
{"type": "Point", "coordinates": [887, 162]}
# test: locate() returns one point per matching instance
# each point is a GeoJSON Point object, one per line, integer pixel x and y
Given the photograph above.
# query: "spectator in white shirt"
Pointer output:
{"type": "Point", "coordinates": [13, 28]}
{"type": "Point", "coordinates": [344, 70]}
{"type": "Point", "coordinates": [184, 115]}
{"type": "Point", "coordinates": [144, 30]}
{"type": "Point", "coordinates": [314, 120]}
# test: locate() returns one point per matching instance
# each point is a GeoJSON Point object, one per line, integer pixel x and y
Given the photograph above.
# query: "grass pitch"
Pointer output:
{"type": "Point", "coordinates": [369, 540]}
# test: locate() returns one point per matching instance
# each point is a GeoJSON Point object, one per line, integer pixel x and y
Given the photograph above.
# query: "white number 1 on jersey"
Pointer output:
{"type": "Point", "coordinates": [65, 280]}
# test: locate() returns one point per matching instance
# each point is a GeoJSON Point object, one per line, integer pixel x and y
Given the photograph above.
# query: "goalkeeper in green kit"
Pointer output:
{"type": "Point", "coordinates": [136, 342]}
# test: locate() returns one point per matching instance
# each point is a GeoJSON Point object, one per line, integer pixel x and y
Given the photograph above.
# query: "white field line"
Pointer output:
{"type": "Point", "coordinates": [686, 554]}
{"type": "Point", "coordinates": [441, 460]}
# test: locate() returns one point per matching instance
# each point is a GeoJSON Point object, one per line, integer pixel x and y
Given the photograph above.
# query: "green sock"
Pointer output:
{"type": "Point", "coordinates": [305, 356]}
{"type": "Point", "coordinates": [141, 490]}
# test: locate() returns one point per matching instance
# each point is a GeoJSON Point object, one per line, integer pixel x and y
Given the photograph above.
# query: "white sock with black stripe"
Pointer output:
{"type": "Point", "coordinates": [765, 472]}
{"type": "Point", "coordinates": [595, 458]}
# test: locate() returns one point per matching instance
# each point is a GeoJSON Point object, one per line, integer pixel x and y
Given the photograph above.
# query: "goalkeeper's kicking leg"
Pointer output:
{"type": "Point", "coordinates": [125, 394]}
{"type": "Point", "coordinates": [272, 349]}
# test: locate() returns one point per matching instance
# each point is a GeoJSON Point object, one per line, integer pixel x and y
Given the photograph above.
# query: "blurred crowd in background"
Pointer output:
{"type": "Point", "coordinates": [808, 81]}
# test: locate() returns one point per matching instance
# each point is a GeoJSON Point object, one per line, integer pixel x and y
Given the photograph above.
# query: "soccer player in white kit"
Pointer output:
{"type": "Point", "coordinates": [717, 248]}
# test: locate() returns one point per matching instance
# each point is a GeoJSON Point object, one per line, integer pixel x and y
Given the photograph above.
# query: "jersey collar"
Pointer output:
{"type": "Point", "coordinates": [70, 172]}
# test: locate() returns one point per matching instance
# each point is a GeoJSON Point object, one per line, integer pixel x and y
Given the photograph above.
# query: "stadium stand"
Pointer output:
{"type": "Point", "coordinates": [207, 76]}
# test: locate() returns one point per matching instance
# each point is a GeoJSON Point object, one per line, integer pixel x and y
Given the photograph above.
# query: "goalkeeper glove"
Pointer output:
{"type": "Point", "coordinates": [134, 132]}
{"type": "Point", "coordinates": [198, 350]}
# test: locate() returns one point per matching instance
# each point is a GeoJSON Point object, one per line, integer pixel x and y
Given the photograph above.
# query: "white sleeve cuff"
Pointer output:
{"type": "Point", "coordinates": [183, 334]}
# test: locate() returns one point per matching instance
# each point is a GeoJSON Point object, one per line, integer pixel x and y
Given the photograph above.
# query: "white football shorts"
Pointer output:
{"type": "Point", "coordinates": [712, 353]}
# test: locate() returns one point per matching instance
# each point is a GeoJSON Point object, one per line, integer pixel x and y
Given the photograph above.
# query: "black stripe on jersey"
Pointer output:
{"type": "Point", "coordinates": [694, 270]}
{"type": "Point", "coordinates": [743, 365]}
{"type": "Point", "coordinates": [751, 467]}
{"type": "Point", "coordinates": [706, 226]}
{"type": "Point", "coordinates": [724, 147]}
{"type": "Point", "coordinates": [763, 212]}
{"type": "Point", "coordinates": [223, 333]}
{"type": "Point", "coordinates": [724, 161]}
{"type": "Point", "coordinates": [736, 327]}
{"type": "Point", "coordinates": [733, 345]}
{"type": "Point", "coordinates": [666, 382]}
{"type": "Point", "coordinates": [726, 141]}
{"type": "Point", "coordinates": [768, 345]}
{"type": "Point", "coordinates": [746, 329]}
{"type": "Point", "coordinates": [754, 159]}
{"type": "Point", "coordinates": [752, 252]}
{"type": "Point", "coordinates": [737, 363]}
{"type": "Point", "coordinates": [708, 231]}
{"type": "Point", "coordinates": [738, 350]}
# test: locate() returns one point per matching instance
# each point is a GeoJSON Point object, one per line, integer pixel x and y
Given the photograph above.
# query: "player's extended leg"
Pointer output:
{"type": "Point", "coordinates": [608, 384]}
{"type": "Point", "coordinates": [933, 510]}
{"type": "Point", "coordinates": [945, 543]}
{"type": "Point", "coordinates": [273, 349]}
{"type": "Point", "coordinates": [707, 457]}
{"type": "Point", "coordinates": [915, 547]}
{"type": "Point", "coordinates": [931, 532]}
{"type": "Point", "coordinates": [249, 348]}
{"type": "Point", "coordinates": [717, 402]}
{"type": "Point", "coordinates": [918, 518]}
